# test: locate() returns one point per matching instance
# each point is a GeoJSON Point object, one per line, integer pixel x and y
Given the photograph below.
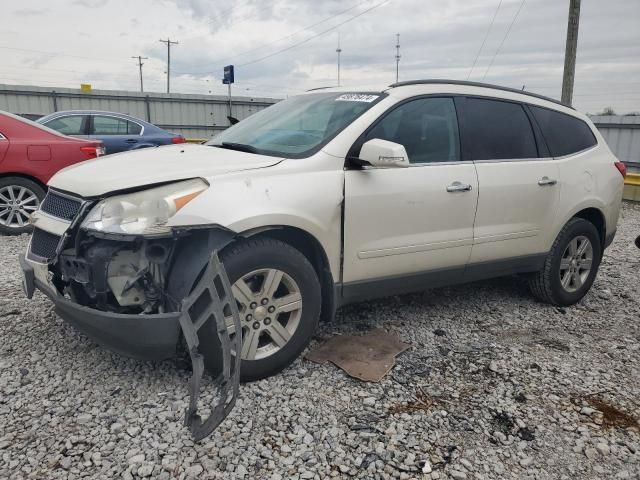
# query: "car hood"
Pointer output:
{"type": "Point", "coordinates": [149, 166]}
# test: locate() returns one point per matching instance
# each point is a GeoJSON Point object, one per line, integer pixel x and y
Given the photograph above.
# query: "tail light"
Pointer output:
{"type": "Point", "coordinates": [178, 140]}
{"type": "Point", "coordinates": [622, 168]}
{"type": "Point", "coordinates": [92, 151]}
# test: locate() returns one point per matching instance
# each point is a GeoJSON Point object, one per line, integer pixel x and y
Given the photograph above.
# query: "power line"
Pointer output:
{"type": "Point", "coordinates": [484, 40]}
{"type": "Point", "coordinates": [261, 47]}
{"type": "Point", "coordinates": [290, 47]}
{"type": "Point", "coordinates": [504, 39]}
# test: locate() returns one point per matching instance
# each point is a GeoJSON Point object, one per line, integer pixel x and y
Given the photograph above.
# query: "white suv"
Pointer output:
{"type": "Point", "coordinates": [326, 198]}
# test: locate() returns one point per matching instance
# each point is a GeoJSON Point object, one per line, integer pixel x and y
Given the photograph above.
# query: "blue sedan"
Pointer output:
{"type": "Point", "coordinates": [117, 131]}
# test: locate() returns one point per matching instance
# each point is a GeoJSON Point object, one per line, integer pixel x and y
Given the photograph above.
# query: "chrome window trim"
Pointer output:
{"type": "Point", "coordinates": [584, 150]}
{"type": "Point", "coordinates": [515, 160]}
{"type": "Point", "coordinates": [51, 217]}
{"type": "Point", "coordinates": [429, 164]}
{"type": "Point", "coordinates": [422, 164]}
{"type": "Point", "coordinates": [119, 118]}
{"type": "Point", "coordinates": [57, 117]}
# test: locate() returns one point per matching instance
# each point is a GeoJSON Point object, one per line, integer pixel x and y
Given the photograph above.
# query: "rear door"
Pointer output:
{"type": "Point", "coordinates": [117, 134]}
{"type": "Point", "coordinates": [410, 228]}
{"type": "Point", "coordinates": [517, 180]}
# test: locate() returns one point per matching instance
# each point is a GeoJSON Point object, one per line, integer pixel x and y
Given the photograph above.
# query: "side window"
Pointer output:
{"type": "Point", "coordinates": [71, 125]}
{"type": "Point", "coordinates": [496, 130]}
{"type": "Point", "coordinates": [114, 126]}
{"type": "Point", "coordinates": [426, 127]}
{"type": "Point", "coordinates": [563, 133]}
{"type": "Point", "coordinates": [133, 128]}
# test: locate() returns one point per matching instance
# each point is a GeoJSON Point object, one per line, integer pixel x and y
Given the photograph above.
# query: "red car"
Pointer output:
{"type": "Point", "coordinates": [29, 156]}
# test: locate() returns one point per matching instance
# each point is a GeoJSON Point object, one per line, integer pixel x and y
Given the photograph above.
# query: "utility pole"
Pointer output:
{"type": "Point", "coordinates": [169, 43]}
{"type": "Point", "coordinates": [397, 55]}
{"type": "Point", "coordinates": [570, 52]}
{"type": "Point", "coordinates": [338, 51]}
{"type": "Point", "coordinates": [140, 58]}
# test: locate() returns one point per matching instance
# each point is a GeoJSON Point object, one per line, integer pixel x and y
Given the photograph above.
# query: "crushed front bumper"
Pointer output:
{"type": "Point", "coordinates": [201, 317]}
{"type": "Point", "coordinates": [141, 336]}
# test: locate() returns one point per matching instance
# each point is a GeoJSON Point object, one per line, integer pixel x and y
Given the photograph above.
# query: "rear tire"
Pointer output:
{"type": "Point", "coordinates": [565, 278]}
{"type": "Point", "coordinates": [263, 317]}
{"type": "Point", "coordinates": [19, 197]}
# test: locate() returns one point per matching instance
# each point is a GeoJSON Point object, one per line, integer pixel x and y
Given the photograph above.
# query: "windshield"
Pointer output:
{"type": "Point", "coordinates": [296, 127]}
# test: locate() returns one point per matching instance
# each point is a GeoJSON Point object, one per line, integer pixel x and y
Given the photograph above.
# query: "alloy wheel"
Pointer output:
{"type": "Point", "coordinates": [270, 306]}
{"type": "Point", "coordinates": [17, 203]}
{"type": "Point", "coordinates": [576, 263]}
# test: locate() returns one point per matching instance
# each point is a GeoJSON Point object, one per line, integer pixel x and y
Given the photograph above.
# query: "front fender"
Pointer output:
{"type": "Point", "coordinates": [307, 200]}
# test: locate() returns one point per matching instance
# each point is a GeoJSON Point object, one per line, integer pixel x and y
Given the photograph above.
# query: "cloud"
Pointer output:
{"type": "Point", "coordinates": [90, 3]}
{"type": "Point", "coordinates": [28, 12]}
{"type": "Point", "coordinates": [439, 38]}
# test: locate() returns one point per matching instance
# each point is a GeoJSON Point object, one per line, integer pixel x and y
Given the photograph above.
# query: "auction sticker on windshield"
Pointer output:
{"type": "Point", "coordinates": [357, 97]}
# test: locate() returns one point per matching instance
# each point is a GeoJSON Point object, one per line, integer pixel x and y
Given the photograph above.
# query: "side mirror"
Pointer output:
{"type": "Point", "coordinates": [384, 154]}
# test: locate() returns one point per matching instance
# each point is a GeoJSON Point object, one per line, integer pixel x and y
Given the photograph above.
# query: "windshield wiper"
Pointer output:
{"type": "Point", "coordinates": [240, 147]}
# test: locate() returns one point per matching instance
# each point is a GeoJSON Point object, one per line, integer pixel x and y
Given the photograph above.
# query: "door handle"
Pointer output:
{"type": "Point", "coordinates": [131, 140]}
{"type": "Point", "coordinates": [546, 181]}
{"type": "Point", "coordinates": [459, 187]}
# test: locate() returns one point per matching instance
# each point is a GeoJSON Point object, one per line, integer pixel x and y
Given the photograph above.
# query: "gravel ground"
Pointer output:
{"type": "Point", "coordinates": [494, 386]}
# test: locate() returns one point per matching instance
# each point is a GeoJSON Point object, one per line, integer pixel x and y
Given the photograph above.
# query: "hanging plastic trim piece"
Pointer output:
{"type": "Point", "coordinates": [202, 319]}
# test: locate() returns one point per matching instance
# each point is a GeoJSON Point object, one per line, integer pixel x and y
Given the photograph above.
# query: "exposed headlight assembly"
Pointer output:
{"type": "Point", "coordinates": [144, 212]}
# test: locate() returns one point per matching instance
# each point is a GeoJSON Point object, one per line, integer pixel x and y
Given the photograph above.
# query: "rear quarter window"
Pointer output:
{"type": "Point", "coordinates": [563, 133]}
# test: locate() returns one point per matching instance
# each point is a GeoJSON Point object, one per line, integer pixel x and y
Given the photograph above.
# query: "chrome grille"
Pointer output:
{"type": "Point", "coordinates": [44, 244]}
{"type": "Point", "coordinates": [61, 206]}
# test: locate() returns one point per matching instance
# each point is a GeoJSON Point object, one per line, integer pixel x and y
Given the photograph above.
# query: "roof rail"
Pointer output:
{"type": "Point", "coordinates": [477, 84]}
{"type": "Point", "coordinates": [320, 88]}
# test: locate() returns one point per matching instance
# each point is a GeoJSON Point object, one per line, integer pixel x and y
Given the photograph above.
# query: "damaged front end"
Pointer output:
{"type": "Point", "coordinates": [135, 293]}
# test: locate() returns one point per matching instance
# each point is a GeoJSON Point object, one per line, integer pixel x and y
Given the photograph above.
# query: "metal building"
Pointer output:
{"type": "Point", "coordinates": [622, 133]}
{"type": "Point", "coordinates": [194, 116]}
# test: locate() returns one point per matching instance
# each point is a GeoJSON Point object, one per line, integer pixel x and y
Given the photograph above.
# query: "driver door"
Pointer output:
{"type": "Point", "coordinates": [410, 228]}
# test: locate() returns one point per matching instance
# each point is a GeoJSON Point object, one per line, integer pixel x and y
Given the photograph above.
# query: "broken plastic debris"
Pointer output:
{"type": "Point", "coordinates": [367, 357]}
{"type": "Point", "coordinates": [203, 316]}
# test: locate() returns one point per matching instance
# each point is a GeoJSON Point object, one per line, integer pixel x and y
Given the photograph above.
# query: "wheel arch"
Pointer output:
{"type": "Point", "coordinates": [26, 177]}
{"type": "Point", "coordinates": [312, 249]}
{"type": "Point", "coordinates": [597, 218]}
{"type": "Point", "coordinates": [192, 253]}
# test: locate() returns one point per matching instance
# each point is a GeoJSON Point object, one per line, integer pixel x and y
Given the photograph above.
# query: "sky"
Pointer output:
{"type": "Point", "coordinates": [283, 47]}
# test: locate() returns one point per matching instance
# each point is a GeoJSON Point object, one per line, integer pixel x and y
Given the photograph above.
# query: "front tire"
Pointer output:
{"type": "Point", "coordinates": [19, 198]}
{"type": "Point", "coordinates": [279, 299]}
{"type": "Point", "coordinates": [571, 265]}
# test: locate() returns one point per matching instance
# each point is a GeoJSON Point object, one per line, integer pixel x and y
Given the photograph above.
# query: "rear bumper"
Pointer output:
{"type": "Point", "coordinates": [146, 337]}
